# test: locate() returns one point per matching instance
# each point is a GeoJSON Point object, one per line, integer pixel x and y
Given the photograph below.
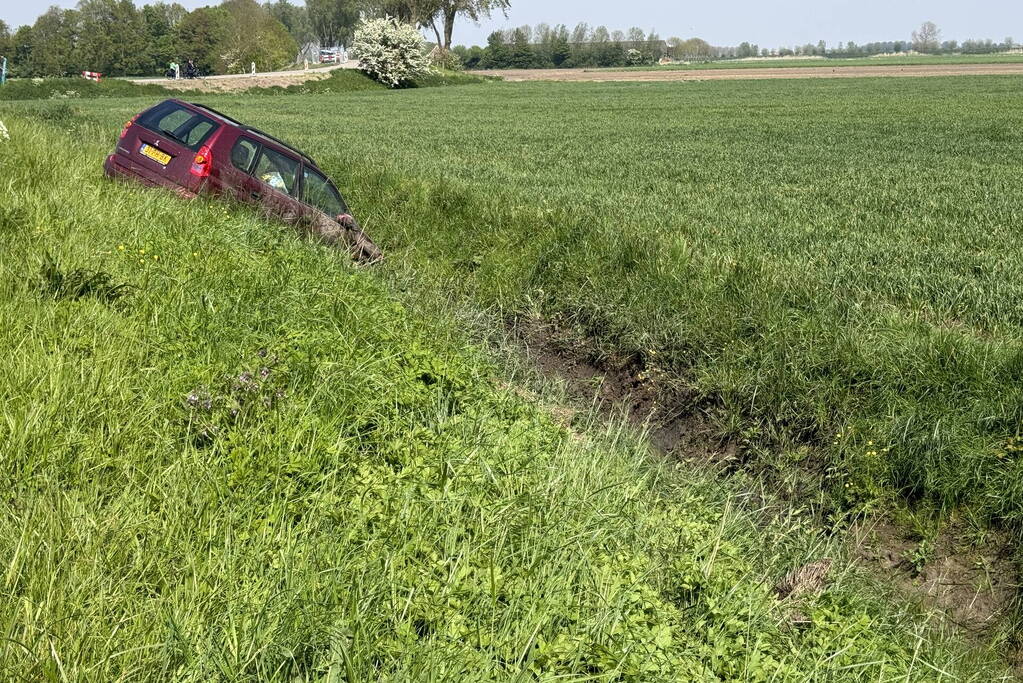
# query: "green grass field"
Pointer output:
{"type": "Point", "coordinates": [832, 264]}
{"type": "Point", "coordinates": [231, 455]}
{"type": "Point", "coordinates": [910, 60]}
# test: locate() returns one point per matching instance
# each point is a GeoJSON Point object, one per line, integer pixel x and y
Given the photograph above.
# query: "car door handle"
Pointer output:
{"type": "Point", "coordinates": [256, 195]}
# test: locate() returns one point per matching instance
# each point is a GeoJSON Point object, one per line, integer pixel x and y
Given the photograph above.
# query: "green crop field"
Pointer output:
{"type": "Point", "coordinates": [909, 60]}
{"type": "Point", "coordinates": [229, 454]}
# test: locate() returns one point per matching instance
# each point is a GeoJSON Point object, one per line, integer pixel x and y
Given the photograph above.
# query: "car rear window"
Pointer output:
{"type": "Point", "coordinates": [179, 123]}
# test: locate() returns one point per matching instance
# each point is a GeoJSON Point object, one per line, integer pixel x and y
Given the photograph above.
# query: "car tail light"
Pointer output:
{"type": "Point", "coordinates": [127, 125]}
{"type": "Point", "coordinates": [203, 162]}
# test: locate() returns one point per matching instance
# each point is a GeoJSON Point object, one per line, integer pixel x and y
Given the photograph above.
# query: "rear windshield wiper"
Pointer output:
{"type": "Point", "coordinates": [172, 136]}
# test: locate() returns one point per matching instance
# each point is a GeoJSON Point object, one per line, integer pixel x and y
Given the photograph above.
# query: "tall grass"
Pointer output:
{"type": "Point", "coordinates": [77, 88]}
{"type": "Point", "coordinates": [832, 264]}
{"type": "Point", "coordinates": [261, 464]}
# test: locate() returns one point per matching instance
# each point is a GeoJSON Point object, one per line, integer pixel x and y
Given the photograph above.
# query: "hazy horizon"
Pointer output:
{"type": "Point", "coordinates": [783, 23]}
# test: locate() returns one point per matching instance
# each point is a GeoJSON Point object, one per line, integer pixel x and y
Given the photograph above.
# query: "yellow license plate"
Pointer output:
{"type": "Point", "coordinates": [156, 155]}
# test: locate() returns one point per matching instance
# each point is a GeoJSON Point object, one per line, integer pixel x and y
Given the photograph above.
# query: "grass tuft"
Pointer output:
{"type": "Point", "coordinates": [79, 283]}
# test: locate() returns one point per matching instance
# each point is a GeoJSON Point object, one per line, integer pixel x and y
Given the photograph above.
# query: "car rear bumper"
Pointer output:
{"type": "Point", "coordinates": [117, 167]}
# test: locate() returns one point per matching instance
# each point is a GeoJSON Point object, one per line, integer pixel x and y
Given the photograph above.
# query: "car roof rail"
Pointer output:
{"type": "Point", "coordinates": [253, 129]}
{"type": "Point", "coordinates": [217, 113]}
{"type": "Point", "coordinates": [282, 143]}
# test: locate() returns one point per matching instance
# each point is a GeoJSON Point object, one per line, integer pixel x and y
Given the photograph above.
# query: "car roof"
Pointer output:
{"type": "Point", "coordinates": [252, 130]}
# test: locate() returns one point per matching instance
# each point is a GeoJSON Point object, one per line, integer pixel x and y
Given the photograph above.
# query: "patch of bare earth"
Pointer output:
{"type": "Point", "coordinates": [971, 578]}
{"type": "Point", "coordinates": [676, 424]}
{"type": "Point", "coordinates": [676, 75]}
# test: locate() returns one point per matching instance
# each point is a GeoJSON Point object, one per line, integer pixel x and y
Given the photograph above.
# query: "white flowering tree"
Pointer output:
{"type": "Point", "coordinates": [390, 52]}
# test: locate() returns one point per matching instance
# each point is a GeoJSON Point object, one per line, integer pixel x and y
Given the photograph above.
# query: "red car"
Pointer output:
{"type": "Point", "coordinates": [193, 149]}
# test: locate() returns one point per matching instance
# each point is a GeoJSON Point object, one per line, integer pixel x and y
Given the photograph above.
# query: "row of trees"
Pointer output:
{"type": "Point", "coordinates": [544, 46]}
{"type": "Point", "coordinates": [117, 38]}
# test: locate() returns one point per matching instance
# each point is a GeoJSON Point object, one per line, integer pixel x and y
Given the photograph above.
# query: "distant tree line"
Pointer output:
{"type": "Point", "coordinates": [117, 38]}
{"type": "Point", "coordinates": [545, 46]}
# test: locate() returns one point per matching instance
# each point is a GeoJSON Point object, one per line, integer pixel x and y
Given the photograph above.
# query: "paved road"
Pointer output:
{"type": "Point", "coordinates": [669, 75]}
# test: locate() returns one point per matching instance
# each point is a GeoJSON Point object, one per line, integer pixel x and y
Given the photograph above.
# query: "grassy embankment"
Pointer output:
{"type": "Point", "coordinates": [339, 81]}
{"type": "Point", "coordinates": [228, 454]}
{"type": "Point", "coordinates": [909, 60]}
{"type": "Point", "coordinates": [835, 266]}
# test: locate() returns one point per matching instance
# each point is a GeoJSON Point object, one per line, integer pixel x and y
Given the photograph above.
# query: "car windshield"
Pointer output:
{"type": "Point", "coordinates": [179, 123]}
{"type": "Point", "coordinates": [318, 192]}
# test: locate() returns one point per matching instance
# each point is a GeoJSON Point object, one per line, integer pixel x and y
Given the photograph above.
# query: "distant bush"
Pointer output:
{"type": "Point", "coordinates": [437, 78]}
{"type": "Point", "coordinates": [390, 52]}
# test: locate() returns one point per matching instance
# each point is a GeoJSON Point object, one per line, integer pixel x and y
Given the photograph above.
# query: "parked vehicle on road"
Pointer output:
{"type": "Point", "coordinates": [193, 149]}
{"type": "Point", "coordinates": [332, 55]}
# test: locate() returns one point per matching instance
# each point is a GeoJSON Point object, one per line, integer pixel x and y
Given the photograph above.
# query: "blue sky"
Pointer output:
{"type": "Point", "coordinates": [770, 24]}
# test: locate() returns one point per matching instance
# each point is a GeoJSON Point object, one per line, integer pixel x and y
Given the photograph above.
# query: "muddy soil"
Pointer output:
{"type": "Point", "coordinates": [675, 422]}
{"type": "Point", "coordinates": [970, 577]}
{"type": "Point", "coordinates": [756, 73]}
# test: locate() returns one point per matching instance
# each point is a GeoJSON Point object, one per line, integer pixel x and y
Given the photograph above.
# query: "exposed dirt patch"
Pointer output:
{"type": "Point", "coordinates": [973, 580]}
{"type": "Point", "coordinates": [677, 423]}
{"type": "Point", "coordinates": [823, 71]}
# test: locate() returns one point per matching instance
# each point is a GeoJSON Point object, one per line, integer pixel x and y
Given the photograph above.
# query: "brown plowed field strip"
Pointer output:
{"type": "Point", "coordinates": [670, 75]}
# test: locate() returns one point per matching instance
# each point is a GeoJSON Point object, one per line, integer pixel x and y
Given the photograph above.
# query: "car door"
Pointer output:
{"type": "Point", "coordinates": [236, 178]}
{"type": "Point", "coordinates": [277, 176]}
{"type": "Point", "coordinates": [164, 140]}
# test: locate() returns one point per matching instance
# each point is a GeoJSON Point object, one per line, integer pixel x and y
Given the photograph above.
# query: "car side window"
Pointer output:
{"type": "Point", "coordinates": [242, 154]}
{"type": "Point", "coordinates": [277, 170]}
{"type": "Point", "coordinates": [319, 193]}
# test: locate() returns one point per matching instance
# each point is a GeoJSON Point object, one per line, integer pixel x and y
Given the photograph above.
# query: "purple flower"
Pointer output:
{"type": "Point", "coordinates": [264, 372]}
